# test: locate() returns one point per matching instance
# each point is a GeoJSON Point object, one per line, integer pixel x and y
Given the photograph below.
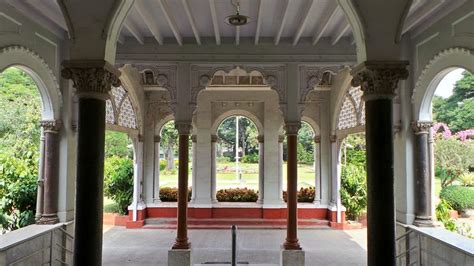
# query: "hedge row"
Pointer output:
{"type": "Point", "coordinates": [170, 194]}
{"type": "Point", "coordinates": [237, 195]}
{"type": "Point", "coordinates": [458, 197]}
{"type": "Point", "coordinates": [304, 194]}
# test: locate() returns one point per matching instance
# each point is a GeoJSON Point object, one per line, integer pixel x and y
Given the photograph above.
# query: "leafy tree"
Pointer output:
{"type": "Point", "coordinates": [118, 183]}
{"type": "Point", "coordinates": [117, 144]}
{"type": "Point", "coordinates": [452, 158]}
{"type": "Point", "coordinates": [353, 190]}
{"type": "Point", "coordinates": [169, 143]}
{"type": "Point", "coordinates": [19, 148]}
{"type": "Point", "coordinates": [248, 134]}
{"type": "Point", "coordinates": [305, 149]}
{"type": "Point", "coordinates": [457, 111]}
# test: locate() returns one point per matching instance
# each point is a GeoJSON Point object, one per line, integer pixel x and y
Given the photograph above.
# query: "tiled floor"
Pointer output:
{"type": "Point", "coordinates": [150, 247]}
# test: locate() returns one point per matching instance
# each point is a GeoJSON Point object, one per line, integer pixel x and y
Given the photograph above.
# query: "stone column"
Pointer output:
{"type": "Point", "coordinates": [432, 201]}
{"type": "Point", "coordinates": [261, 169]}
{"type": "Point", "coordinates": [422, 174]}
{"type": "Point", "coordinates": [317, 169]}
{"type": "Point", "coordinates": [137, 175]}
{"type": "Point", "coordinates": [92, 80]}
{"type": "Point", "coordinates": [378, 81]}
{"type": "Point", "coordinates": [50, 174]}
{"type": "Point", "coordinates": [334, 168]}
{"type": "Point", "coordinates": [156, 171]}
{"type": "Point", "coordinates": [194, 170]}
{"type": "Point", "coordinates": [213, 168]}
{"type": "Point", "coordinates": [281, 138]}
{"type": "Point", "coordinates": [40, 193]}
{"type": "Point", "coordinates": [291, 242]}
{"type": "Point", "coordinates": [184, 130]}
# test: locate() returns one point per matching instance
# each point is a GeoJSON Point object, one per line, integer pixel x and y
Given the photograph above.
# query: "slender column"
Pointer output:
{"type": "Point", "coordinates": [40, 194]}
{"type": "Point", "coordinates": [432, 175]}
{"type": "Point", "coordinates": [213, 168]}
{"type": "Point", "coordinates": [194, 170]}
{"type": "Point", "coordinates": [334, 163]}
{"type": "Point", "coordinates": [291, 241]}
{"type": "Point", "coordinates": [378, 81]}
{"type": "Point", "coordinates": [156, 171]}
{"type": "Point", "coordinates": [317, 169]}
{"type": "Point", "coordinates": [137, 174]}
{"type": "Point", "coordinates": [281, 138]}
{"type": "Point", "coordinates": [51, 159]}
{"type": "Point", "coordinates": [422, 174]}
{"type": "Point", "coordinates": [92, 80]}
{"type": "Point", "coordinates": [184, 129]}
{"type": "Point", "coordinates": [261, 168]}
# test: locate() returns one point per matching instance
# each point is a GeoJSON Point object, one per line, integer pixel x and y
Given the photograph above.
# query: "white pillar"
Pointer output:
{"type": "Point", "coordinates": [137, 174]}
{"type": "Point", "coordinates": [156, 170]}
{"type": "Point", "coordinates": [432, 174]}
{"type": "Point", "coordinates": [317, 169]}
{"type": "Point", "coordinates": [194, 169]}
{"type": "Point", "coordinates": [261, 169]}
{"type": "Point", "coordinates": [213, 168]}
{"type": "Point", "coordinates": [280, 165]}
{"type": "Point", "coordinates": [39, 195]}
{"type": "Point", "coordinates": [336, 177]}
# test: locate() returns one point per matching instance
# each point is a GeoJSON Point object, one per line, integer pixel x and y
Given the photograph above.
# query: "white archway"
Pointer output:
{"type": "Point", "coordinates": [40, 72]}
{"type": "Point", "coordinates": [237, 112]}
{"type": "Point", "coordinates": [429, 79]}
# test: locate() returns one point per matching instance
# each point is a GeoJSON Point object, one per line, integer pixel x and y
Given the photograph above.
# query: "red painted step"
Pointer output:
{"type": "Point", "coordinates": [170, 223]}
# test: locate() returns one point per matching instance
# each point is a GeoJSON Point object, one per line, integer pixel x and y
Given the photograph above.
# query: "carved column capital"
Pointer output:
{"type": "Point", "coordinates": [51, 126]}
{"type": "Point", "coordinates": [91, 78]}
{"type": "Point", "coordinates": [140, 138]}
{"type": "Point", "coordinates": [261, 138]}
{"type": "Point", "coordinates": [317, 139]}
{"type": "Point", "coordinates": [379, 79]}
{"type": "Point", "coordinates": [281, 138]}
{"type": "Point", "coordinates": [421, 127]}
{"type": "Point", "coordinates": [184, 128]}
{"type": "Point", "coordinates": [292, 128]}
{"type": "Point", "coordinates": [194, 138]}
{"type": "Point", "coordinates": [157, 139]}
{"type": "Point", "coordinates": [214, 138]}
{"type": "Point", "coordinates": [333, 138]}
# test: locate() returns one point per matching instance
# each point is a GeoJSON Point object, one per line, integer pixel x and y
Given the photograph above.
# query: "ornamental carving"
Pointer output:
{"type": "Point", "coordinates": [157, 139]}
{"type": "Point", "coordinates": [164, 76]}
{"type": "Point", "coordinates": [51, 126]}
{"type": "Point", "coordinates": [184, 128]}
{"type": "Point", "coordinates": [261, 138]}
{"type": "Point", "coordinates": [292, 128]}
{"type": "Point", "coordinates": [421, 127]}
{"type": "Point", "coordinates": [317, 139]}
{"type": "Point", "coordinates": [313, 76]}
{"type": "Point", "coordinates": [379, 79]}
{"type": "Point", "coordinates": [91, 79]}
{"type": "Point", "coordinates": [214, 138]}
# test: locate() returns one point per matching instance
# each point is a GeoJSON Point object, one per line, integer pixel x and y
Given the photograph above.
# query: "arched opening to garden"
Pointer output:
{"type": "Point", "coordinates": [238, 159]}
{"type": "Point", "coordinates": [450, 147]}
{"type": "Point", "coordinates": [21, 148]}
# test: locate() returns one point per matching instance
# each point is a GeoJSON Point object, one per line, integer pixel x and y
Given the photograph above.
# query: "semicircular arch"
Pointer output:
{"type": "Point", "coordinates": [238, 112]}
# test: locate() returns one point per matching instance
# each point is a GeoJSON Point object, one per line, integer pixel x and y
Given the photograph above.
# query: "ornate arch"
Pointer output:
{"type": "Point", "coordinates": [351, 110]}
{"type": "Point", "coordinates": [314, 126]}
{"type": "Point", "coordinates": [40, 72]}
{"type": "Point", "coordinates": [120, 112]}
{"type": "Point", "coordinates": [432, 74]}
{"type": "Point", "coordinates": [240, 112]}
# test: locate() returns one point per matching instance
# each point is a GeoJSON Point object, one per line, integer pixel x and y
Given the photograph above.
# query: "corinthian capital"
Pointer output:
{"type": "Point", "coordinates": [184, 128]}
{"type": "Point", "coordinates": [379, 79]}
{"type": "Point", "coordinates": [51, 126]}
{"type": "Point", "coordinates": [292, 128]}
{"type": "Point", "coordinates": [92, 78]}
{"type": "Point", "coordinates": [421, 127]}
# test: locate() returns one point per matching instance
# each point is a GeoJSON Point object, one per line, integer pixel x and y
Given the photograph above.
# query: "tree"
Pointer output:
{"type": "Point", "coordinates": [305, 149]}
{"type": "Point", "coordinates": [117, 144]}
{"type": "Point", "coordinates": [457, 111]}
{"type": "Point", "coordinates": [169, 135]}
{"type": "Point", "coordinates": [247, 135]}
{"type": "Point", "coordinates": [452, 158]}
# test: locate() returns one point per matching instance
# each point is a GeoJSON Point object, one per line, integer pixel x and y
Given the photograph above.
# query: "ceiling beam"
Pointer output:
{"type": "Point", "coordinates": [191, 21]}
{"type": "Point", "coordinates": [171, 22]}
{"type": "Point", "coordinates": [259, 21]}
{"type": "Point", "coordinates": [282, 24]}
{"type": "Point", "coordinates": [132, 28]}
{"type": "Point", "coordinates": [304, 21]}
{"type": "Point", "coordinates": [149, 21]}
{"type": "Point", "coordinates": [421, 13]}
{"type": "Point", "coordinates": [340, 31]}
{"type": "Point", "coordinates": [215, 23]}
{"type": "Point", "coordinates": [328, 16]}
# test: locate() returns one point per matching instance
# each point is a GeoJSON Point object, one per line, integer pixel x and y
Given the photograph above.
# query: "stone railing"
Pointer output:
{"type": "Point", "coordinates": [37, 245]}
{"type": "Point", "coordinates": [432, 246]}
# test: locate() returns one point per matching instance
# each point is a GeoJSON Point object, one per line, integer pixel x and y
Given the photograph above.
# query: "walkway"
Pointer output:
{"type": "Point", "coordinates": [150, 247]}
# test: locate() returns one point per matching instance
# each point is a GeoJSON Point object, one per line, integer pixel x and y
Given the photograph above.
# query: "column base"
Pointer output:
{"type": "Point", "coordinates": [292, 258]}
{"type": "Point", "coordinates": [48, 220]}
{"type": "Point", "coordinates": [291, 244]}
{"type": "Point", "coordinates": [179, 257]}
{"type": "Point", "coordinates": [424, 222]}
{"type": "Point", "coordinates": [181, 244]}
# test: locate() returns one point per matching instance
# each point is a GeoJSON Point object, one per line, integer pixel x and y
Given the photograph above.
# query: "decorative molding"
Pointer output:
{"type": "Point", "coordinates": [194, 138]}
{"type": "Point", "coordinates": [379, 79]}
{"type": "Point", "coordinates": [433, 61]}
{"type": "Point", "coordinates": [281, 138]}
{"type": "Point", "coordinates": [155, 75]}
{"type": "Point", "coordinates": [51, 126]}
{"type": "Point", "coordinates": [261, 138]}
{"type": "Point", "coordinates": [183, 127]}
{"type": "Point", "coordinates": [214, 138]}
{"type": "Point", "coordinates": [317, 139]}
{"type": "Point", "coordinates": [313, 76]}
{"type": "Point", "coordinates": [333, 138]}
{"type": "Point", "coordinates": [157, 139]}
{"type": "Point", "coordinates": [292, 128]}
{"type": "Point", "coordinates": [421, 127]}
{"type": "Point", "coordinates": [92, 79]}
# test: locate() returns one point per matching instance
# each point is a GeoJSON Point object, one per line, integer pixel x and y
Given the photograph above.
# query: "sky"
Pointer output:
{"type": "Point", "coordinates": [446, 86]}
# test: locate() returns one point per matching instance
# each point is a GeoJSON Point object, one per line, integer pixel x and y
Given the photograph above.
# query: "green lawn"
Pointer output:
{"type": "Point", "coordinates": [226, 177]}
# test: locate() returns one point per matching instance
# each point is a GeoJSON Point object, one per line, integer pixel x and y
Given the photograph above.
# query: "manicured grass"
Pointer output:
{"type": "Point", "coordinates": [226, 177]}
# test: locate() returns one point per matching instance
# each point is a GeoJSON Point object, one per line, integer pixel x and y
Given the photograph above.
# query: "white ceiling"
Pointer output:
{"type": "Point", "coordinates": [192, 21]}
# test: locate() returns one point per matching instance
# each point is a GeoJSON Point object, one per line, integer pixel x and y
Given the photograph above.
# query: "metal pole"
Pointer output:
{"type": "Point", "coordinates": [234, 245]}
{"type": "Point", "coordinates": [237, 170]}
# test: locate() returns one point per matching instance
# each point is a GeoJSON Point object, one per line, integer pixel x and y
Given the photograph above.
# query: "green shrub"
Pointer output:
{"type": "Point", "coordinates": [118, 184]}
{"type": "Point", "coordinates": [353, 190]}
{"type": "Point", "coordinates": [250, 158]}
{"type": "Point", "coordinates": [223, 159]}
{"type": "Point", "coordinates": [304, 194]}
{"type": "Point", "coordinates": [162, 165]}
{"type": "Point", "coordinates": [170, 194]}
{"type": "Point", "coordinates": [237, 195]}
{"type": "Point", "coordinates": [452, 159]}
{"type": "Point", "coordinates": [459, 198]}
{"type": "Point", "coordinates": [467, 179]}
